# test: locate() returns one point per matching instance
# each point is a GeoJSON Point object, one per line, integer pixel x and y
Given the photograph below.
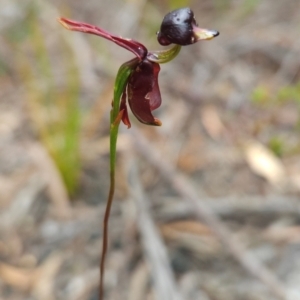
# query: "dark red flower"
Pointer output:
{"type": "Point", "coordinates": [142, 90]}
{"type": "Point", "coordinates": [180, 27]}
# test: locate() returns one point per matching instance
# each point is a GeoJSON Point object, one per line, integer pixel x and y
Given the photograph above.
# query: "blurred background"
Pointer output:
{"type": "Point", "coordinates": [231, 127]}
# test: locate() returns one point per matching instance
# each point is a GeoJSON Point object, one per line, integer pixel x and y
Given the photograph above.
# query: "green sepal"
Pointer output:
{"type": "Point", "coordinates": [120, 85]}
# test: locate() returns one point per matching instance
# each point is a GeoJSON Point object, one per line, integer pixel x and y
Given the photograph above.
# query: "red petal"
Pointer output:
{"type": "Point", "coordinates": [154, 95]}
{"type": "Point", "coordinates": [135, 47]}
{"type": "Point", "coordinates": [143, 92]}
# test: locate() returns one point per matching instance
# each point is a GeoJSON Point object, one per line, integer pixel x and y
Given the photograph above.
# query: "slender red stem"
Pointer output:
{"type": "Point", "coordinates": [115, 118]}
{"type": "Point", "coordinates": [115, 122]}
{"type": "Point", "coordinates": [105, 232]}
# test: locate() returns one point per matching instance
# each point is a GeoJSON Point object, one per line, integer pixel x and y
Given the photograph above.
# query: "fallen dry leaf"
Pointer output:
{"type": "Point", "coordinates": [193, 235]}
{"type": "Point", "coordinates": [211, 121]}
{"type": "Point", "coordinates": [264, 163]}
{"type": "Point", "coordinates": [17, 277]}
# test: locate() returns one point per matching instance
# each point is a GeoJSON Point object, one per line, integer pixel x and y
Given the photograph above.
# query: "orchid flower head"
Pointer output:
{"type": "Point", "coordinates": [141, 90]}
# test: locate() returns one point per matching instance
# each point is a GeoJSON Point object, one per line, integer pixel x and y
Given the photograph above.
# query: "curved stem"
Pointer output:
{"type": "Point", "coordinates": [115, 118]}
{"type": "Point", "coordinates": [164, 56]}
{"type": "Point", "coordinates": [113, 150]}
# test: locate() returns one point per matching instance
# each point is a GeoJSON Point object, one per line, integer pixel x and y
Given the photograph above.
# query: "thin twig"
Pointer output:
{"type": "Point", "coordinates": [233, 205]}
{"type": "Point", "coordinates": [156, 253]}
{"type": "Point", "coordinates": [183, 187]}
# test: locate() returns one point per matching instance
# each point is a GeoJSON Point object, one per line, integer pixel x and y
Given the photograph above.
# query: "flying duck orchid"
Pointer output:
{"type": "Point", "coordinates": [141, 90]}
{"type": "Point", "coordinates": [136, 83]}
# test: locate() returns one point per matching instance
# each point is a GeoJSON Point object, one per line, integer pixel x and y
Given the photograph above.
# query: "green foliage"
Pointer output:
{"type": "Point", "coordinates": [53, 103]}
{"type": "Point", "coordinates": [174, 4]}
{"type": "Point", "coordinates": [289, 93]}
{"type": "Point", "coordinates": [248, 7]}
{"type": "Point", "coordinates": [260, 95]}
{"type": "Point", "coordinates": [276, 144]}
{"type": "Point", "coordinates": [221, 5]}
{"type": "Point", "coordinates": [241, 8]}
{"type": "Point", "coordinates": [266, 99]}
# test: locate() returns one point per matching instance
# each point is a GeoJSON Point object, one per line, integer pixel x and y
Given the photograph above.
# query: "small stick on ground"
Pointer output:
{"type": "Point", "coordinates": [184, 187]}
{"type": "Point", "coordinates": [155, 250]}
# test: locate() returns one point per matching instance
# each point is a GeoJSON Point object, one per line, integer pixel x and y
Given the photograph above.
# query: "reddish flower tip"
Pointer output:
{"type": "Point", "coordinates": [123, 107]}
{"type": "Point", "coordinates": [135, 47]}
